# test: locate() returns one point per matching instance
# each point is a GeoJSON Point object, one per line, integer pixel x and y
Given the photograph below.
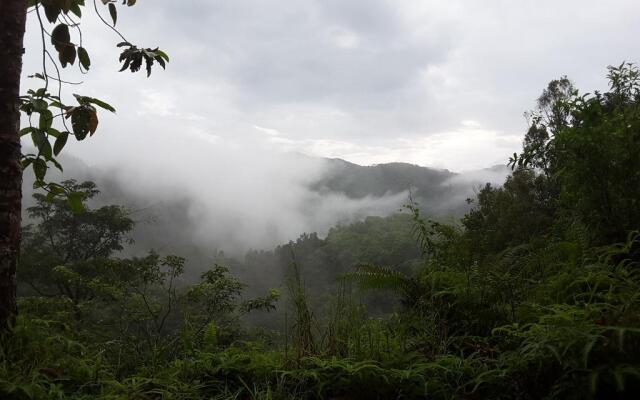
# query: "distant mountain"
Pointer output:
{"type": "Point", "coordinates": [358, 181]}
{"type": "Point", "coordinates": [438, 191]}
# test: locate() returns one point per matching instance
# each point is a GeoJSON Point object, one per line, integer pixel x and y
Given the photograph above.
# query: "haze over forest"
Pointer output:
{"type": "Point", "coordinates": [259, 205]}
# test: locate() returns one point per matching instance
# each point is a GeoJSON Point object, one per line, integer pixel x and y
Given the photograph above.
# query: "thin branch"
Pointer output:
{"type": "Point", "coordinates": [64, 122]}
{"type": "Point", "coordinates": [95, 6]}
{"type": "Point", "coordinates": [44, 48]}
{"type": "Point", "coordinates": [63, 81]}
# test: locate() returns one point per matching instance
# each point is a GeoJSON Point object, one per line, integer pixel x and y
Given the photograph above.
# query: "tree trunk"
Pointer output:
{"type": "Point", "coordinates": [12, 26]}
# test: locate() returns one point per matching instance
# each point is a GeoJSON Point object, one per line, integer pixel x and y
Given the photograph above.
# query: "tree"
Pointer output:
{"type": "Point", "coordinates": [599, 155]}
{"type": "Point", "coordinates": [48, 107]}
{"type": "Point", "coordinates": [64, 242]}
{"type": "Point", "coordinates": [552, 113]}
{"type": "Point", "coordinates": [587, 148]}
{"type": "Point", "coordinates": [12, 20]}
{"type": "Point", "coordinates": [524, 207]}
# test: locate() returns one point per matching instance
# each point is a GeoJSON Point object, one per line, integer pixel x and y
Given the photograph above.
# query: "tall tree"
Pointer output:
{"type": "Point", "coordinates": [48, 141]}
{"type": "Point", "coordinates": [12, 26]}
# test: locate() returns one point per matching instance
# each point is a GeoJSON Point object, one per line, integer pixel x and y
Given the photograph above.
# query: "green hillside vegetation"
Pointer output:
{"type": "Point", "coordinates": [533, 294]}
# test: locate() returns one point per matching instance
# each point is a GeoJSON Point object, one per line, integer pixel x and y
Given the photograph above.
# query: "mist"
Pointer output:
{"type": "Point", "coordinates": [219, 195]}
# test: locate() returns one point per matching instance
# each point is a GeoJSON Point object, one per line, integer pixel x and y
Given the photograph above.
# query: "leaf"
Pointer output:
{"type": "Point", "coordinates": [39, 105]}
{"type": "Point", "coordinates": [60, 142]}
{"type": "Point", "coordinates": [67, 55]}
{"type": "Point", "coordinates": [136, 62]}
{"type": "Point", "coordinates": [37, 75]}
{"type": "Point", "coordinates": [57, 164]}
{"type": "Point", "coordinates": [125, 65]}
{"type": "Point", "coordinates": [53, 132]}
{"type": "Point", "coordinates": [93, 122]}
{"type": "Point", "coordinates": [27, 130]}
{"type": "Point", "coordinates": [41, 142]}
{"type": "Point", "coordinates": [26, 162]}
{"type": "Point", "coordinates": [52, 12]}
{"type": "Point", "coordinates": [57, 104]}
{"type": "Point", "coordinates": [60, 36]}
{"type": "Point", "coordinates": [160, 61]}
{"type": "Point", "coordinates": [83, 56]}
{"type": "Point", "coordinates": [55, 189]}
{"type": "Point", "coordinates": [75, 8]}
{"type": "Point", "coordinates": [46, 119]}
{"type": "Point", "coordinates": [39, 168]}
{"type": "Point", "coordinates": [38, 137]}
{"type": "Point", "coordinates": [80, 122]}
{"type": "Point", "coordinates": [149, 62]}
{"type": "Point", "coordinates": [98, 102]}
{"type": "Point", "coordinates": [45, 149]}
{"type": "Point", "coordinates": [113, 12]}
{"type": "Point", "coordinates": [162, 54]}
{"type": "Point", "coordinates": [74, 200]}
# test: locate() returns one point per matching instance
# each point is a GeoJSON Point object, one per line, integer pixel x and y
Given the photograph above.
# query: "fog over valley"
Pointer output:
{"type": "Point", "coordinates": [235, 200]}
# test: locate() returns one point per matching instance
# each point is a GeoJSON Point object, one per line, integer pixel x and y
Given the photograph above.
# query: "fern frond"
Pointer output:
{"type": "Point", "coordinates": [374, 277]}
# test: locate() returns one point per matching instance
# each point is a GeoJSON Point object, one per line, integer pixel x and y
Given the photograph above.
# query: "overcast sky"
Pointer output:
{"type": "Point", "coordinates": [434, 83]}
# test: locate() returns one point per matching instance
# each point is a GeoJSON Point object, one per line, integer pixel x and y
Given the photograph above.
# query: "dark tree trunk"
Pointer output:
{"type": "Point", "coordinates": [12, 26]}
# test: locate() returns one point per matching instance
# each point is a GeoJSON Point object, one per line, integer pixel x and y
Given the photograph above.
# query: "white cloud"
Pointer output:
{"type": "Point", "coordinates": [343, 38]}
{"type": "Point", "coordinates": [267, 131]}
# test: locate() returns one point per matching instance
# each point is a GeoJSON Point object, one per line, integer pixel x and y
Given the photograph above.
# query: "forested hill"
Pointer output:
{"type": "Point", "coordinates": [358, 181]}
{"type": "Point", "coordinates": [432, 186]}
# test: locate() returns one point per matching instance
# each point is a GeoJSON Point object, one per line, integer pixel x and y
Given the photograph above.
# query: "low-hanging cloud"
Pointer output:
{"type": "Point", "coordinates": [219, 195]}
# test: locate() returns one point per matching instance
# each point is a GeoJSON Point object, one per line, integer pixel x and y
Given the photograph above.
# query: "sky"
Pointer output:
{"type": "Point", "coordinates": [435, 83]}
